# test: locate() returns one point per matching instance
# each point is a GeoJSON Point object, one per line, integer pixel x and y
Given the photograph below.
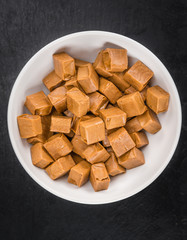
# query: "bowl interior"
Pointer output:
{"type": "Point", "coordinates": [158, 153]}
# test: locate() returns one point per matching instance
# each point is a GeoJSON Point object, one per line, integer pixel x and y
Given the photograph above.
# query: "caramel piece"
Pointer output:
{"type": "Point", "coordinates": [138, 75]}
{"type": "Point", "coordinates": [113, 117]}
{"type": "Point", "coordinates": [60, 167]}
{"type": "Point", "coordinates": [109, 106]}
{"type": "Point", "coordinates": [58, 146]}
{"type": "Point", "coordinates": [92, 130]}
{"type": "Point", "coordinates": [60, 124]}
{"type": "Point", "coordinates": [64, 65]}
{"type": "Point", "coordinates": [88, 79]}
{"type": "Point", "coordinates": [40, 158]}
{"type": "Point", "coordinates": [72, 83]}
{"type": "Point", "coordinates": [133, 125]}
{"type": "Point", "coordinates": [55, 113]}
{"type": "Point", "coordinates": [76, 158]}
{"type": "Point", "coordinates": [79, 174]}
{"type": "Point", "coordinates": [99, 177]}
{"type": "Point", "coordinates": [140, 139]}
{"type": "Point", "coordinates": [77, 102]}
{"type": "Point", "coordinates": [69, 113]}
{"type": "Point", "coordinates": [96, 153]}
{"type": "Point", "coordinates": [115, 60]}
{"type": "Point", "coordinates": [78, 145]}
{"type": "Point", "coordinates": [132, 159]}
{"type": "Point", "coordinates": [51, 81]}
{"type": "Point", "coordinates": [106, 142]}
{"type": "Point", "coordinates": [97, 101]}
{"type": "Point", "coordinates": [80, 63]}
{"type": "Point", "coordinates": [99, 66]}
{"type": "Point", "coordinates": [130, 90]}
{"type": "Point", "coordinates": [157, 99]}
{"type": "Point", "coordinates": [71, 134]}
{"type": "Point", "coordinates": [144, 93]}
{"type": "Point", "coordinates": [112, 166]}
{"type": "Point", "coordinates": [120, 141]}
{"type": "Point", "coordinates": [109, 90]}
{"type": "Point", "coordinates": [29, 125]}
{"type": "Point", "coordinates": [58, 99]}
{"type": "Point", "coordinates": [150, 122]}
{"type": "Point", "coordinates": [118, 80]}
{"type": "Point", "coordinates": [132, 104]}
{"type": "Point", "coordinates": [38, 103]}
{"type": "Point", "coordinates": [76, 123]}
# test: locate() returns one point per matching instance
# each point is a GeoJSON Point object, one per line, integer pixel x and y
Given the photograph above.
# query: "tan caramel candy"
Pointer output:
{"type": "Point", "coordinates": [78, 145]}
{"type": "Point", "coordinates": [77, 121]}
{"type": "Point", "coordinates": [140, 139]}
{"type": "Point", "coordinates": [132, 159]}
{"type": "Point", "coordinates": [144, 93]}
{"type": "Point", "coordinates": [138, 75]}
{"type": "Point", "coordinates": [97, 101]}
{"type": "Point", "coordinates": [106, 142]}
{"type": "Point", "coordinates": [112, 166]}
{"type": "Point", "coordinates": [76, 158]}
{"type": "Point", "coordinates": [99, 177]}
{"type": "Point", "coordinates": [130, 90]}
{"type": "Point", "coordinates": [92, 130]}
{"type": "Point", "coordinates": [79, 174]}
{"type": "Point", "coordinates": [60, 124]}
{"type": "Point", "coordinates": [77, 102]}
{"type": "Point", "coordinates": [58, 146]}
{"type": "Point", "coordinates": [118, 80]}
{"type": "Point", "coordinates": [51, 81]}
{"type": "Point", "coordinates": [133, 125]}
{"type": "Point", "coordinates": [40, 158]}
{"type": "Point", "coordinates": [96, 153]}
{"type": "Point", "coordinates": [60, 167]}
{"type": "Point", "coordinates": [80, 63]}
{"type": "Point", "coordinates": [120, 141]}
{"type": "Point", "coordinates": [58, 99]}
{"type": "Point", "coordinates": [113, 117]}
{"type": "Point", "coordinates": [88, 79]}
{"type": "Point", "coordinates": [38, 103]}
{"type": "Point", "coordinates": [157, 99]}
{"type": "Point", "coordinates": [69, 113]}
{"type": "Point", "coordinates": [115, 60]}
{"type": "Point", "coordinates": [109, 90]}
{"type": "Point", "coordinates": [64, 65]}
{"type": "Point", "coordinates": [109, 106]}
{"type": "Point", "coordinates": [150, 122]}
{"type": "Point", "coordinates": [71, 134]}
{"type": "Point", "coordinates": [29, 125]}
{"type": "Point", "coordinates": [132, 104]}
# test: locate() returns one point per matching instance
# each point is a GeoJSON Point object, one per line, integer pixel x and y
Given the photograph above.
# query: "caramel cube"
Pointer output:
{"type": "Point", "coordinates": [97, 101]}
{"type": "Point", "coordinates": [40, 158]}
{"type": "Point", "coordinates": [132, 104]}
{"type": "Point", "coordinates": [58, 99]}
{"type": "Point", "coordinates": [79, 174]}
{"type": "Point", "coordinates": [99, 177]}
{"type": "Point", "coordinates": [76, 123]}
{"type": "Point", "coordinates": [68, 113]}
{"type": "Point", "coordinates": [77, 102]}
{"type": "Point", "coordinates": [120, 141]}
{"type": "Point", "coordinates": [51, 81]}
{"type": "Point", "coordinates": [76, 158]}
{"type": "Point", "coordinates": [92, 130]}
{"type": "Point", "coordinates": [38, 103]}
{"type": "Point", "coordinates": [109, 90]}
{"type": "Point", "coordinates": [138, 75]}
{"type": "Point", "coordinates": [118, 80]}
{"type": "Point", "coordinates": [80, 63]}
{"type": "Point", "coordinates": [60, 167]}
{"type": "Point", "coordinates": [71, 134]}
{"type": "Point", "coordinates": [78, 145]}
{"type": "Point", "coordinates": [130, 90]}
{"type": "Point", "coordinates": [29, 125]}
{"type": "Point", "coordinates": [112, 166]}
{"type": "Point", "coordinates": [140, 139]}
{"type": "Point", "coordinates": [144, 93]}
{"type": "Point", "coordinates": [60, 124]}
{"type": "Point", "coordinates": [157, 99]}
{"type": "Point", "coordinates": [132, 159]}
{"type": "Point", "coordinates": [58, 146]}
{"type": "Point", "coordinates": [115, 60]}
{"type": "Point", "coordinates": [72, 83]}
{"type": "Point", "coordinates": [64, 65]}
{"type": "Point", "coordinates": [133, 125]}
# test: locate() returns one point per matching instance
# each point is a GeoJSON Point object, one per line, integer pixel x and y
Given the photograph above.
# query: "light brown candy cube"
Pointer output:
{"type": "Point", "coordinates": [157, 99]}
{"type": "Point", "coordinates": [144, 93]}
{"type": "Point", "coordinates": [96, 153]}
{"type": "Point", "coordinates": [97, 101]}
{"type": "Point", "coordinates": [71, 134]}
{"type": "Point", "coordinates": [58, 146]}
{"type": "Point", "coordinates": [112, 166]}
{"type": "Point", "coordinates": [106, 142]}
{"type": "Point", "coordinates": [77, 121]}
{"type": "Point", "coordinates": [120, 141]}
{"type": "Point", "coordinates": [130, 90]}
{"type": "Point", "coordinates": [72, 83]}
{"type": "Point", "coordinates": [99, 177]}
{"type": "Point", "coordinates": [29, 125]}
{"type": "Point", "coordinates": [60, 167]}
{"type": "Point", "coordinates": [78, 145]}
{"type": "Point", "coordinates": [77, 102]}
{"type": "Point", "coordinates": [76, 158]}
{"type": "Point", "coordinates": [60, 124]}
{"type": "Point", "coordinates": [38, 103]}
{"type": "Point", "coordinates": [138, 75]}
{"type": "Point", "coordinates": [133, 125]}
{"type": "Point", "coordinates": [132, 159]}
{"type": "Point", "coordinates": [132, 104]}
{"type": "Point", "coordinates": [109, 106]}
{"type": "Point", "coordinates": [88, 78]}
{"type": "Point", "coordinates": [118, 80]}
{"type": "Point", "coordinates": [64, 65]}
{"type": "Point", "coordinates": [79, 174]}
{"type": "Point", "coordinates": [92, 130]}
{"type": "Point", "coordinates": [80, 63]}
{"type": "Point", "coordinates": [51, 81]}
{"type": "Point", "coordinates": [113, 117]}
{"type": "Point", "coordinates": [40, 158]}
{"type": "Point", "coordinates": [150, 122]}
{"type": "Point", "coordinates": [109, 90]}
{"type": "Point", "coordinates": [140, 139]}
{"type": "Point", "coordinates": [58, 99]}
{"type": "Point", "coordinates": [68, 113]}
{"type": "Point", "coordinates": [115, 60]}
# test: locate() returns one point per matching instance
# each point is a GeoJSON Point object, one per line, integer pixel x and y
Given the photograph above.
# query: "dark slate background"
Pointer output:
{"type": "Point", "coordinates": [29, 212]}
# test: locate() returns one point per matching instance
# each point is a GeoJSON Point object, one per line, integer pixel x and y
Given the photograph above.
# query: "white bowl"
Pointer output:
{"type": "Point", "coordinates": [86, 45]}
